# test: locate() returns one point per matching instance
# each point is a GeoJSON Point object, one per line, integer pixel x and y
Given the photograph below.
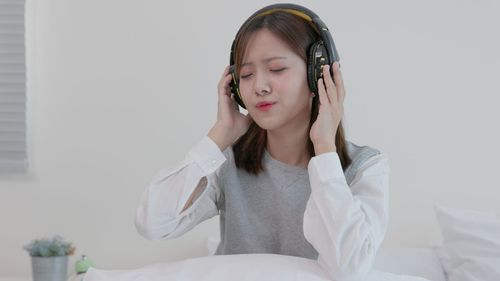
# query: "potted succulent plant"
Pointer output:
{"type": "Point", "coordinates": [49, 258]}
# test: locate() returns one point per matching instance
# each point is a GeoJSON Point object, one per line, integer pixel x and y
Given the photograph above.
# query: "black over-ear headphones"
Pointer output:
{"type": "Point", "coordinates": [320, 53]}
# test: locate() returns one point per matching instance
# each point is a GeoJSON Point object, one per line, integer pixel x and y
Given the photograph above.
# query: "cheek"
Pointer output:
{"type": "Point", "coordinates": [294, 83]}
{"type": "Point", "coordinates": [299, 94]}
{"type": "Point", "coordinates": [244, 91]}
{"type": "Point", "coordinates": [297, 77]}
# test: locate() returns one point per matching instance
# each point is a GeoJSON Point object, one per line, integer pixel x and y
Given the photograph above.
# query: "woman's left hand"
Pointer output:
{"type": "Point", "coordinates": [331, 110]}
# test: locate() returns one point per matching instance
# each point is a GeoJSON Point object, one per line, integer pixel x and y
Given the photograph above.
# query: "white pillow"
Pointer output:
{"type": "Point", "coordinates": [470, 249]}
{"type": "Point", "coordinates": [393, 260]}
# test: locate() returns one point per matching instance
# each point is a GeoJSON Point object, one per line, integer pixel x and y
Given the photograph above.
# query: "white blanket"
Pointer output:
{"type": "Point", "coordinates": [234, 267]}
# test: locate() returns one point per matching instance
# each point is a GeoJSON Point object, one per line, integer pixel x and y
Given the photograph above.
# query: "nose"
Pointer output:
{"type": "Point", "coordinates": [261, 86]}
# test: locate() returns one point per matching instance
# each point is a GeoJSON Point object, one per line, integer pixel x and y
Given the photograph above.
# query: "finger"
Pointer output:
{"type": "Point", "coordinates": [223, 85]}
{"type": "Point", "coordinates": [235, 104]}
{"type": "Point", "coordinates": [339, 81]}
{"type": "Point", "coordinates": [330, 86]}
{"type": "Point", "coordinates": [323, 98]}
{"type": "Point", "coordinates": [226, 71]}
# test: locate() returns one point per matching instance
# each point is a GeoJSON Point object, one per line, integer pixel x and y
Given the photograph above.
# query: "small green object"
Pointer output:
{"type": "Point", "coordinates": [82, 265]}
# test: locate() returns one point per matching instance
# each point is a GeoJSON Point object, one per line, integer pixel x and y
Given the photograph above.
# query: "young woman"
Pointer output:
{"type": "Point", "coordinates": [283, 178]}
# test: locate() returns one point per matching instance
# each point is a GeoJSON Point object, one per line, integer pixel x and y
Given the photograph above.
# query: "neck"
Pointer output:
{"type": "Point", "coordinates": [289, 144]}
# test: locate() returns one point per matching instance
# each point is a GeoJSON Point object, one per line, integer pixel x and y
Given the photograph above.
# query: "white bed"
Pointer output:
{"type": "Point", "coordinates": [396, 264]}
{"type": "Point", "coordinates": [243, 267]}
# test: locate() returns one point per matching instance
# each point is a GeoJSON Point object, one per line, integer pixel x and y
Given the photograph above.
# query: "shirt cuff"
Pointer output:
{"type": "Point", "coordinates": [207, 155]}
{"type": "Point", "coordinates": [325, 167]}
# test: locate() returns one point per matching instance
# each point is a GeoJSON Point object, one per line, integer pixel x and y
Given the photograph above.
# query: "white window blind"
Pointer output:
{"type": "Point", "coordinates": [13, 155]}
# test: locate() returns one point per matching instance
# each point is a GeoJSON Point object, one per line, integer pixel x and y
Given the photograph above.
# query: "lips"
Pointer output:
{"type": "Point", "coordinates": [265, 103]}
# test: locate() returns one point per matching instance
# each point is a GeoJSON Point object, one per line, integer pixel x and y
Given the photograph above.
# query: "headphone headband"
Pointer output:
{"type": "Point", "coordinates": [291, 11]}
{"type": "Point", "coordinates": [302, 12]}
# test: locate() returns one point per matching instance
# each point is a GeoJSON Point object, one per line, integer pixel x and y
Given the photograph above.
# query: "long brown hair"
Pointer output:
{"type": "Point", "coordinates": [299, 35]}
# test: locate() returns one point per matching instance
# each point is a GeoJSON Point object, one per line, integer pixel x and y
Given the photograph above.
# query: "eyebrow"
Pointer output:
{"type": "Point", "coordinates": [264, 60]}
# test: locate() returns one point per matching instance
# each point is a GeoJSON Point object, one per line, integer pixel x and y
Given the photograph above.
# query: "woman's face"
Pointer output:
{"type": "Point", "coordinates": [272, 72]}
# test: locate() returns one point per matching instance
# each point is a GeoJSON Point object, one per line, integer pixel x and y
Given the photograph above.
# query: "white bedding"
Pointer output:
{"type": "Point", "coordinates": [234, 267]}
{"type": "Point", "coordinates": [418, 261]}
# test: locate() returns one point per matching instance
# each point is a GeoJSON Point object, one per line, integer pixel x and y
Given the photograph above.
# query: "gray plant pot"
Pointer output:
{"type": "Point", "coordinates": [49, 268]}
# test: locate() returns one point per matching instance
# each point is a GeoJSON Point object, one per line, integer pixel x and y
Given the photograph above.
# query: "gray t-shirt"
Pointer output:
{"type": "Point", "coordinates": [264, 213]}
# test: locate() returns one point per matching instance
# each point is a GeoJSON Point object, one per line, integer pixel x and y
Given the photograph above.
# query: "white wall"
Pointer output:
{"type": "Point", "coordinates": [120, 89]}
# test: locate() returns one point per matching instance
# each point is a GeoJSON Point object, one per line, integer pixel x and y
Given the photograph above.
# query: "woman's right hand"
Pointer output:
{"type": "Point", "coordinates": [231, 123]}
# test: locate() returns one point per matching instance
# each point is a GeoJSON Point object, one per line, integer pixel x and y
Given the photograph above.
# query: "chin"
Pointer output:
{"type": "Point", "coordinates": [266, 124]}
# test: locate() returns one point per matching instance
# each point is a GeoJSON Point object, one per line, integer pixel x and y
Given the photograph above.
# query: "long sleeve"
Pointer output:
{"type": "Point", "coordinates": [159, 213]}
{"type": "Point", "coordinates": [346, 224]}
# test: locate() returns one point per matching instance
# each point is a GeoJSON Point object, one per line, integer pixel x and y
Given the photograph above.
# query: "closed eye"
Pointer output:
{"type": "Point", "coordinates": [278, 70]}
{"type": "Point", "coordinates": [272, 70]}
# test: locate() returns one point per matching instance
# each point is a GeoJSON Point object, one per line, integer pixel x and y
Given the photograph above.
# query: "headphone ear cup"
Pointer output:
{"type": "Point", "coordinates": [234, 87]}
{"type": "Point", "coordinates": [313, 85]}
{"type": "Point", "coordinates": [317, 57]}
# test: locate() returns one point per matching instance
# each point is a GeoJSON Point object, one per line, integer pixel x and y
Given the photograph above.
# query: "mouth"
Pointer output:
{"type": "Point", "coordinates": [264, 106]}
